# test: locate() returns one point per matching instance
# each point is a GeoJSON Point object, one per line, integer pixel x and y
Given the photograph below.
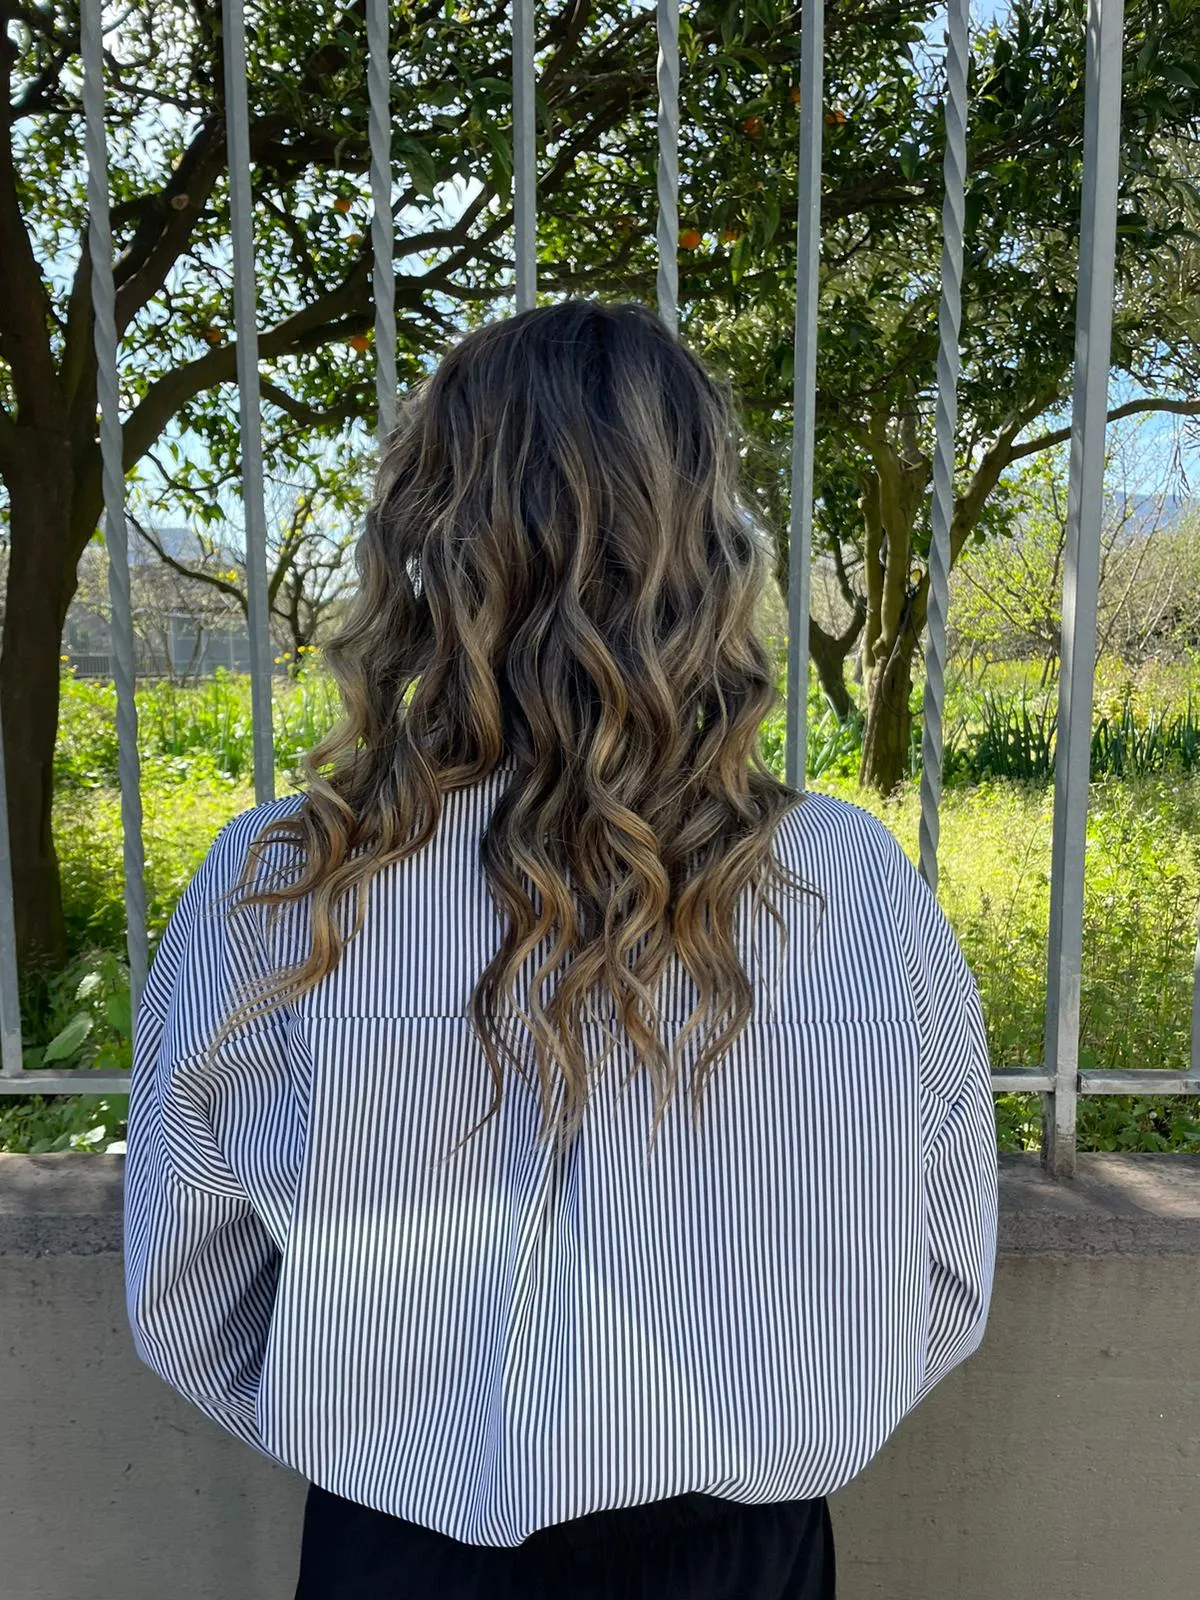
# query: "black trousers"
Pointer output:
{"type": "Point", "coordinates": [693, 1547]}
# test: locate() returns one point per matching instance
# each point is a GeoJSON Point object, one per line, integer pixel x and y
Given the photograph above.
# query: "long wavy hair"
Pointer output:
{"type": "Point", "coordinates": [558, 572]}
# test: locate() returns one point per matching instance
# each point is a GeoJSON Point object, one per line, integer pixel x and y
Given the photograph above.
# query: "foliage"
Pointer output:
{"type": "Point", "coordinates": [1143, 886]}
{"type": "Point", "coordinates": [879, 292]}
{"type": "Point", "coordinates": [1006, 591]}
{"type": "Point", "coordinates": [190, 730]}
{"type": "Point", "coordinates": [1141, 895]}
{"type": "Point", "coordinates": [1018, 739]}
{"type": "Point", "coordinates": [170, 216]}
{"type": "Point", "coordinates": [80, 1019]}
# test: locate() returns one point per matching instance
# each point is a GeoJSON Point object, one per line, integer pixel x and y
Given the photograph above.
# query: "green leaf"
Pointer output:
{"type": "Point", "coordinates": [739, 257]}
{"type": "Point", "coordinates": [116, 1009]}
{"type": "Point", "coordinates": [88, 985]}
{"type": "Point", "coordinates": [770, 216]}
{"type": "Point", "coordinates": [501, 148]}
{"type": "Point", "coordinates": [65, 1043]}
{"type": "Point", "coordinates": [421, 165]}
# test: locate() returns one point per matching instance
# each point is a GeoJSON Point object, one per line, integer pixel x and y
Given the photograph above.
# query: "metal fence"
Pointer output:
{"type": "Point", "coordinates": [1059, 1079]}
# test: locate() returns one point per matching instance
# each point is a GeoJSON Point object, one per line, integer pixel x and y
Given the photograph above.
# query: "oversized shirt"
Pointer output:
{"type": "Point", "coordinates": [496, 1338]}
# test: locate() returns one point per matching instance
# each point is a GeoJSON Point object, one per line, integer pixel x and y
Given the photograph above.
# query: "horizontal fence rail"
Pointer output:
{"type": "Point", "coordinates": [1059, 1081]}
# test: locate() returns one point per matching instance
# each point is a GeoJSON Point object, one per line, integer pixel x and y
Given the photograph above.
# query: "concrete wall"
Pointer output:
{"type": "Point", "coordinates": [1062, 1460]}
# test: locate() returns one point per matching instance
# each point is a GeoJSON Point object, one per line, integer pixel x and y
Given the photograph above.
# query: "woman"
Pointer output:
{"type": "Point", "coordinates": [489, 1163]}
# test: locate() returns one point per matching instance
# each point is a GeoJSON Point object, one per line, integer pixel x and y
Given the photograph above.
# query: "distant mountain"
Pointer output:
{"type": "Point", "coordinates": [1148, 513]}
{"type": "Point", "coordinates": [182, 544]}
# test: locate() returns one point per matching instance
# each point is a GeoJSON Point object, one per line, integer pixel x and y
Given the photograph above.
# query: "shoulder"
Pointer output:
{"type": "Point", "coordinates": [826, 834]}
{"type": "Point", "coordinates": [226, 856]}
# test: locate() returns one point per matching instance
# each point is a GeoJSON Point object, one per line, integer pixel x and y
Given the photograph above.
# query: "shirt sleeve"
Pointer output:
{"type": "Point", "coordinates": [960, 1175]}
{"type": "Point", "coordinates": [959, 1163]}
{"type": "Point", "coordinates": [201, 1265]}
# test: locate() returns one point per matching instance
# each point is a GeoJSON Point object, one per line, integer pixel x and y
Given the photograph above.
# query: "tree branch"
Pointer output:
{"type": "Point", "coordinates": [346, 411]}
{"type": "Point", "coordinates": [168, 218]}
{"type": "Point", "coordinates": [1179, 408]}
{"type": "Point", "coordinates": [195, 574]}
{"type": "Point", "coordinates": [307, 327]}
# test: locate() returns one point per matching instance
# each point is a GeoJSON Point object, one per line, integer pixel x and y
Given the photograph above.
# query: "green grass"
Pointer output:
{"type": "Point", "coordinates": [1143, 885]}
{"type": "Point", "coordinates": [185, 730]}
{"type": "Point", "coordinates": [1141, 893]}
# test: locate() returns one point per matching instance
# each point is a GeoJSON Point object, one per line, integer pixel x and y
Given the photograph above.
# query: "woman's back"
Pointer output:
{"type": "Point", "coordinates": [497, 1339]}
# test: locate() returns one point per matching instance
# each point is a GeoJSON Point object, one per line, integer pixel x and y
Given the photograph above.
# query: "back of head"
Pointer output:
{"type": "Point", "coordinates": [558, 574]}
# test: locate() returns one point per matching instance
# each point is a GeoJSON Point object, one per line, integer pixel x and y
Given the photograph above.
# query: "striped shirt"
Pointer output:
{"type": "Point", "coordinates": [489, 1342]}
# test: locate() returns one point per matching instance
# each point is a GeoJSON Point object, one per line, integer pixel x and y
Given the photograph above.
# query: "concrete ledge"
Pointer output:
{"type": "Point", "coordinates": [1061, 1460]}
{"type": "Point", "coordinates": [68, 1204]}
{"type": "Point", "coordinates": [1115, 1205]}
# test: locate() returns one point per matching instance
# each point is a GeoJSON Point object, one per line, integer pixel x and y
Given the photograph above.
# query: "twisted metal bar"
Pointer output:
{"type": "Point", "coordinates": [241, 209]}
{"type": "Point", "coordinates": [524, 152]}
{"type": "Point", "coordinates": [804, 387]}
{"type": "Point", "coordinates": [1081, 578]}
{"type": "Point", "coordinates": [945, 427]}
{"type": "Point", "coordinates": [379, 139]}
{"type": "Point", "coordinates": [667, 19]}
{"type": "Point", "coordinates": [113, 483]}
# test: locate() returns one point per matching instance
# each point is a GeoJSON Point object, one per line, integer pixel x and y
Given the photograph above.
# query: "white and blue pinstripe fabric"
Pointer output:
{"type": "Point", "coordinates": [493, 1342]}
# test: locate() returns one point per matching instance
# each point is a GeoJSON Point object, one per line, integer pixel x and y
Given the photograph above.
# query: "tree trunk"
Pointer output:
{"type": "Point", "coordinates": [40, 584]}
{"type": "Point", "coordinates": [889, 721]}
{"type": "Point", "coordinates": [826, 651]}
{"type": "Point", "coordinates": [828, 654]}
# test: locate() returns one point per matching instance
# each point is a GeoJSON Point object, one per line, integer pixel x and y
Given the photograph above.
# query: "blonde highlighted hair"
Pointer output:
{"type": "Point", "coordinates": [557, 571]}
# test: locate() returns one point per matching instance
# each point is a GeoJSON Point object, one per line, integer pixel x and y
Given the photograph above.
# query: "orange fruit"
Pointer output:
{"type": "Point", "coordinates": [730, 235]}
{"type": "Point", "coordinates": [834, 118]}
{"type": "Point", "coordinates": [690, 238]}
{"type": "Point", "coordinates": [753, 126]}
{"type": "Point", "coordinates": [343, 203]}
{"type": "Point", "coordinates": [354, 238]}
{"type": "Point", "coordinates": [359, 342]}
{"type": "Point", "coordinates": [794, 95]}
{"type": "Point", "coordinates": [211, 336]}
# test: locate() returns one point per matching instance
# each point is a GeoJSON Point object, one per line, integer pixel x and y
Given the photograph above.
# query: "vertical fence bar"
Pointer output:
{"type": "Point", "coordinates": [945, 429]}
{"type": "Point", "coordinates": [804, 387]}
{"type": "Point", "coordinates": [1196, 1003]}
{"type": "Point", "coordinates": [241, 208]}
{"type": "Point", "coordinates": [524, 147]}
{"type": "Point", "coordinates": [113, 482]}
{"type": "Point", "coordinates": [379, 138]}
{"type": "Point", "coordinates": [667, 21]}
{"type": "Point", "coordinates": [1093, 336]}
{"type": "Point", "coordinates": [10, 1005]}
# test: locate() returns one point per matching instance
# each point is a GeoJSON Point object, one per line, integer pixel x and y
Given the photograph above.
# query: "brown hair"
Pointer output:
{"type": "Point", "coordinates": [557, 571]}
